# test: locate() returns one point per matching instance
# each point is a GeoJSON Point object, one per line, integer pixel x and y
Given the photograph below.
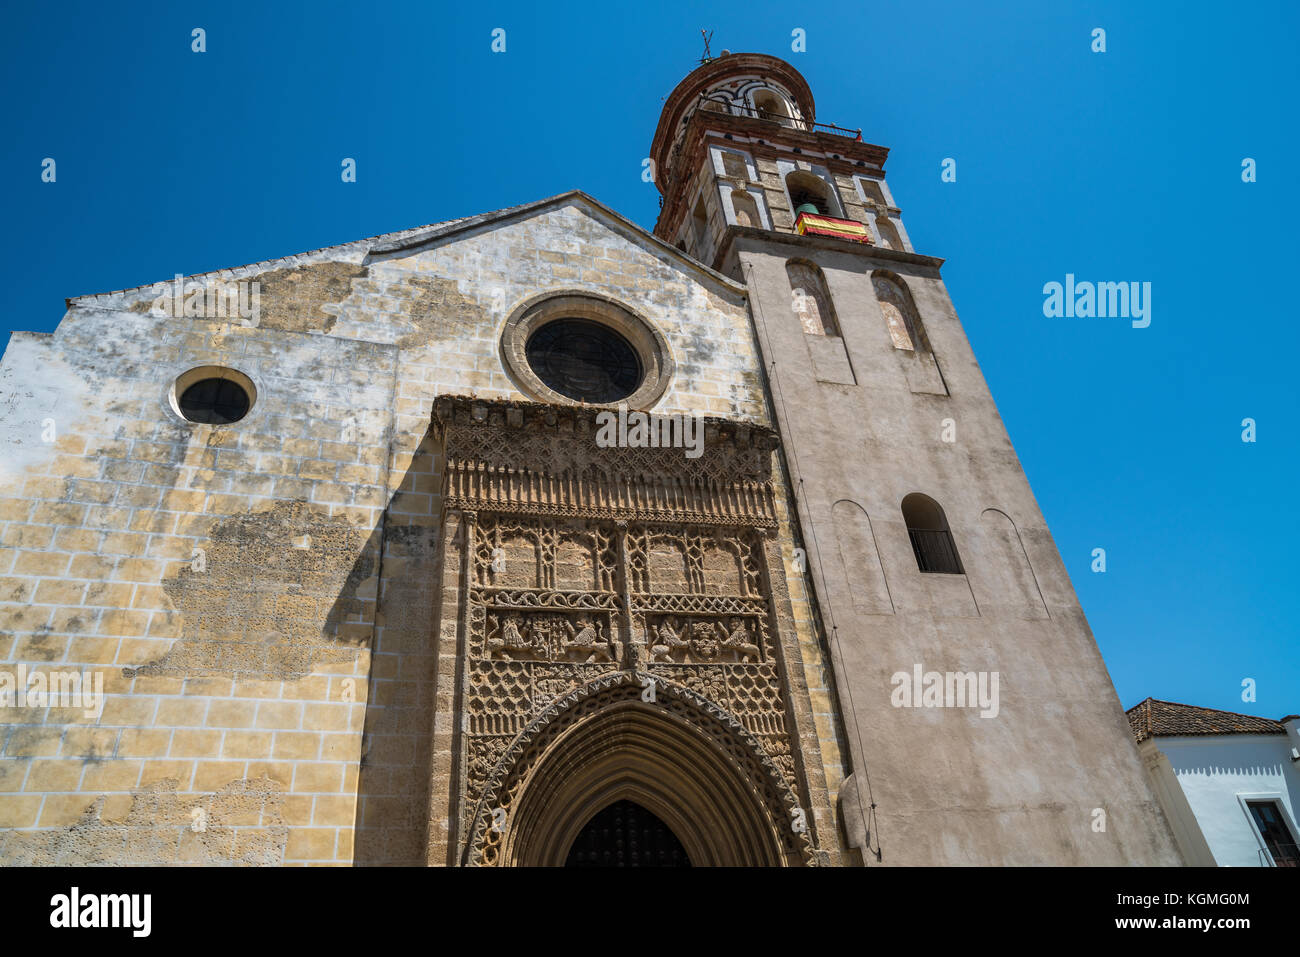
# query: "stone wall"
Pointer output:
{"type": "Point", "coordinates": [259, 597]}
{"type": "Point", "coordinates": [950, 787]}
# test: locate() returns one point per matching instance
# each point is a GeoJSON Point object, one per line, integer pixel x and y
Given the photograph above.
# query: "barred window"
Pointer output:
{"type": "Point", "coordinates": [932, 543]}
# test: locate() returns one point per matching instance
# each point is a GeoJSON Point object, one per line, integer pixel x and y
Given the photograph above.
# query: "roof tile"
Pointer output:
{"type": "Point", "coordinates": [1155, 718]}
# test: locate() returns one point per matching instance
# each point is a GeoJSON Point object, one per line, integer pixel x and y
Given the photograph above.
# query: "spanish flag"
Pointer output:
{"type": "Point", "coordinates": [809, 225]}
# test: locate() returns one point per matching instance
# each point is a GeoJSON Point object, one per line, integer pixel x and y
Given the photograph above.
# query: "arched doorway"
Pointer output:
{"type": "Point", "coordinates": [626, 835]}
{"type": "Point", "coordinates": [678, 757]}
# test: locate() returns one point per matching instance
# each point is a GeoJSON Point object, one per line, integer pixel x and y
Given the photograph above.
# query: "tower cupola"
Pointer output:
{"type": "Point", "coordinates": [739, 145]}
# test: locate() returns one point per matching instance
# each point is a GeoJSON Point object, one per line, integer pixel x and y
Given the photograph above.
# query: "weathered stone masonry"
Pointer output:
{"type": "Point", "coordinates": [260, 597]}
{"type": "Point", "coordinates": [409, 610]}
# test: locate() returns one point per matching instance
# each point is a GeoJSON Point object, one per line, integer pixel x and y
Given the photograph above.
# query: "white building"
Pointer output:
{"type": "Point", "coordinates": [1229, 783]}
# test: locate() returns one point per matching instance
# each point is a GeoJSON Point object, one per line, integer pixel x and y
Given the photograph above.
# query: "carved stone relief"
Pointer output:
{"type": "Point", "coordinates": [585, 561]}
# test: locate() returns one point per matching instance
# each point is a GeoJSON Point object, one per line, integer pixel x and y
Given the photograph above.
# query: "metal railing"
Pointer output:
{"type": "Point", "coordinates": [783, 119]}
{"type": "Point", "coordinates": [935, 550]}
{"type": "Point", "coordinates": [1280, 855]}
{"type": "Point", "coordinates": [727, 109]}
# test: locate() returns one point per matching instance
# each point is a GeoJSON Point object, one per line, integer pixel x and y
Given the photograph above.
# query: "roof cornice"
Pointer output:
{"type": "Point", "coordinates": [389, 244]}
{"type": "Point", "coordinates": [456, 227]}
{"type": "Point", "coordinates": [865, 250]}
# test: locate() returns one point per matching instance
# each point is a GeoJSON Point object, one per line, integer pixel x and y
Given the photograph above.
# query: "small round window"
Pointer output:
{"type": "Point", "coordinates": [584, 360]}
{"type": "Point", "coordinates": [213, 395]}
{"type": "Point", "coordinates": [214, 401]}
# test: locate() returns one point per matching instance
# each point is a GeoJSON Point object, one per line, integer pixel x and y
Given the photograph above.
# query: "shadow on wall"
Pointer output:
{"type": "Point", "coordinates": [392, 816]}
{"type": "Point", "coordinates": [283, 595]}
{"type": "Point", "coordinates": [294, 591]}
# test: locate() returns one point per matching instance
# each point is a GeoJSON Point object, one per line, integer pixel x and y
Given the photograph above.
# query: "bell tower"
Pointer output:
{"type": "Point", "coordinates": [738, 144]}
{"type": "Point", "coordinates": [980, 720]}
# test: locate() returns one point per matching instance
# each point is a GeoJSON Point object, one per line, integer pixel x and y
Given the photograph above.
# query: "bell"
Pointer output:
{"type": "Point", "coordinates": [807, 208]}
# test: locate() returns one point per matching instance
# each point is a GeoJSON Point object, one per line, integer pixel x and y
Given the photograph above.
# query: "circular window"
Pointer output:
{"type": "Point", "coordinates": [212, 395]}
{"type": "Point", "coordinates": [584, 360]}
{"type": "Point", "coordinates": [578, 347]}
{"type": "Point", "coordinates": [214, 401]}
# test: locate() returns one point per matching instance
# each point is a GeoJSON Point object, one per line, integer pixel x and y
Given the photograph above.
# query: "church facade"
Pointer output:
{"type": "Point", "coordinates": [534, 538]}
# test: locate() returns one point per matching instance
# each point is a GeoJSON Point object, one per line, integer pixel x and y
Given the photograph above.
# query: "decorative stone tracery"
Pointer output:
{"type": "Point", "coordinates": [597, 744]}
{"type": "Point", "coordinates": [582, 576]}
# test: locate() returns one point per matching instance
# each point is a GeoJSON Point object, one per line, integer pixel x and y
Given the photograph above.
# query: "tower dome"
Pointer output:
{"type": "Point", "coordinates": [751, 85]}
{"type": "Point", "coordinates": [738, 145]}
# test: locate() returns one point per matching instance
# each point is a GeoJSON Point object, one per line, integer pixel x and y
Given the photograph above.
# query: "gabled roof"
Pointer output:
{"type": "Point", "coordinates": [1153, 718]}
{"type": "Point", "coordinates": [409, 239]}
{"type": "Point", "coordinates": [419, 238]}
{"type": "Point", "coordinates": [232, 272]}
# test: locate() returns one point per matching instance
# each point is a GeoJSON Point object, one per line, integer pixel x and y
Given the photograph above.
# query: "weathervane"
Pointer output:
{"type": "Point", "coordinates": [707, 55]}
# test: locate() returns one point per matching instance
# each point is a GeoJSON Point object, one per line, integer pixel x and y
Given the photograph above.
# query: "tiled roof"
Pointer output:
{"type": "Point", "coordinates": [1154, 718]}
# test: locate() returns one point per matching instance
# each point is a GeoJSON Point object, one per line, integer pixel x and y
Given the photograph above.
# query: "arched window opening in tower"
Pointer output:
{"type": "Point", "coordinates": [932, 542]}
{"type": "Point", "coordinates": [700, 222]}
{"type": "Point", "coordinates": [716, 104]}
{"type": "Point", "coordinates": [811, 300]}
{"type": "Point", "coordinates": [809, 194]}
{"type": "Point", "coordinates": [888, 231]}
{"type": "Point", "coordinates": [745, 208]}
{"type": "Point", "coordinates": [771, 106]}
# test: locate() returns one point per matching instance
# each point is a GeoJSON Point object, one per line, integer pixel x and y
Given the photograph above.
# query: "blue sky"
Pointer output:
{"type": "Point", "coordinates": [1123, 165]}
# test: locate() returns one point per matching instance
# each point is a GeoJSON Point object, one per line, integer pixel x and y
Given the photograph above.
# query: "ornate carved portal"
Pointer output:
{"type": "Point", "coordinates": [614, 626]}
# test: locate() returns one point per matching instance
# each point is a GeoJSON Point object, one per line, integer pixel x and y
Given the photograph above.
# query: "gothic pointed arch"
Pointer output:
{"type": "Point", "coordinates": [679, 755]}
{"type": "Point", "coordinates": [624, 834]}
